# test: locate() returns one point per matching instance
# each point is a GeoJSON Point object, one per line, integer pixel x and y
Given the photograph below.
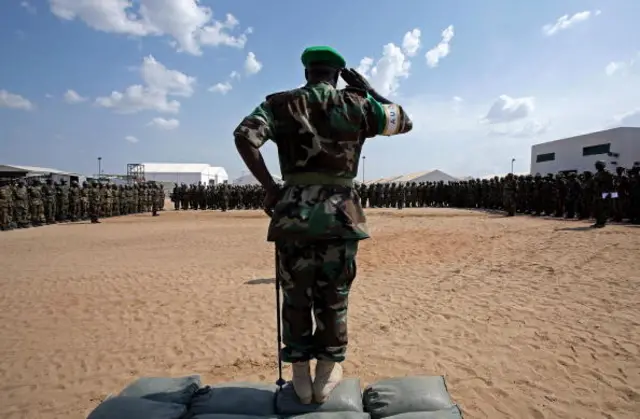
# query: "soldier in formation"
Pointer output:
{"type": "Point", "coordinates": [570, 196]}
{"type": "Point", "coordinates": [28, 203]}
{"type": "Point", "coordinates": [562, 195]}
{"type": "Point", "coordinates": [599, 195]}
{"type": "Point", "coordinates": [221, 197]}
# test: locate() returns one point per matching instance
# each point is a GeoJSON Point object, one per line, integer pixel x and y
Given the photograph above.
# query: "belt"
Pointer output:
{"type": "Point", "coordinates": [315, 178]}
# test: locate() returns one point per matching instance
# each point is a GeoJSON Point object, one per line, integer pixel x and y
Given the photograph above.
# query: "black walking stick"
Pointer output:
{"type": "Point", "coordinates": [281, 381]}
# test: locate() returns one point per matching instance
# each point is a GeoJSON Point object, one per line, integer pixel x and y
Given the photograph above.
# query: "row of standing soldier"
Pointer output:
{"type": "Point", "coordinates": [585, 195]}
{"type": "Point", "coordinates": [28, 202]}
{"type": "Point", "coordinates": [24, 204]}
{"type": "Point", "coordinates": [569, 195]}
{"type": "Point", "coordinates": [217, 197]}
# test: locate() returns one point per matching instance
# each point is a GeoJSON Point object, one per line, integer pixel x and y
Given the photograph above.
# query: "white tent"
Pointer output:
{"type": "Point", "coordinates": [188, 173]}
{"type": "Point", "coordinates": [32, 171]}
{"type": "Point", "coordinates": [424, 176]}
{"type": "Point", "coordinates": [434, 176]}
{"type": "Point", "coordinates": [249, 179]}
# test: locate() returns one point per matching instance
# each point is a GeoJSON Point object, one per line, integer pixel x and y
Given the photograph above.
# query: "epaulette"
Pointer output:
{"type": "Point", "coordinates": [273, 95]}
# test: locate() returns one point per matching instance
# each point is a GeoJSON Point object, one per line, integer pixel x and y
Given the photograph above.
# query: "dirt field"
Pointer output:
{"type": "Point", "coordinates": [527, 318]}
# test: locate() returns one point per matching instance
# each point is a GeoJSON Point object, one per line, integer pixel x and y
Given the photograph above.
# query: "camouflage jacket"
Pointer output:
{"type": "Point", "coordinates": [320, 130]}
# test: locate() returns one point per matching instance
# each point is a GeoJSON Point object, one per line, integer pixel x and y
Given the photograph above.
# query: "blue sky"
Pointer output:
{"type": "Point", "coordinates": [502, 75]}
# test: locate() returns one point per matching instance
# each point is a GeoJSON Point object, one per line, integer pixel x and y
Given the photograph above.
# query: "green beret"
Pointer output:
{"type": "Point", "coordinates": [324, 55]}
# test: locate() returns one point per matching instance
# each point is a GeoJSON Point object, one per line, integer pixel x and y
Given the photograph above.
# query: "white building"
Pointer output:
{"type": "Point", "coordinates": [616, 147]}
{"type": "Point", "coordinates": [184, 173]}
{"type": "Point", "coordinates": [424, 176]}
{"type": "Point", "coordinates": [32, 171]}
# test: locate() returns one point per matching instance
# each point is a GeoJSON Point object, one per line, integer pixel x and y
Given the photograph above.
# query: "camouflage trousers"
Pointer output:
{"type": "Point", "coordinates": [5, 216]}
{"type": "Point", "coordinates": [37, 213]}
{"type": "Point", "coordinates": [50, 210]}
{"type": "Point", "coordinates": [316, 278]}
{"type": "Point", "coordinates": [21, 215]}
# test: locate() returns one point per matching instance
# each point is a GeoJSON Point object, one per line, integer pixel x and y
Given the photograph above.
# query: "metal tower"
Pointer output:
{"type": "Point", "coordinates": [135, 173]}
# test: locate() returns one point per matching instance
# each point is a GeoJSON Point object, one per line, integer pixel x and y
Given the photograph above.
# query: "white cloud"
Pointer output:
{"type": "Point", "coordinates": [622, 67]}
{"type": "Point", "coordinates": [251, 64]}
{"type": "Point", "coordinates": [456, 103]}
{"type": "Point", "coordinates": [629, 119]}
{"type": "Point", "coordinates": [139, 98]}
{"type": "Point", "coordinates": [72, 97]}
{"type": "Point", "coordinates": [28, 6]}
{"type": "Point", "coordinates": [131, 139]}
{"type": "Point", "coordinates": [365, 65]}
{"type": "Point", "coordinates": [160, 82]}
{"type": "Point", "coordinates": [394, 65]}
{"type": "Point", "coordinates": [385, 76]}
{"type": "Point", "coordinates": [566, 22]}
{"type": "Point", "coordinates": [508, 109]}
{"type": "Point", "coordinates": [222, 88]}
{"type": "Point", "coordinates": [411, 42]}
{"type": "Point", "coordinates": [48, 96]}
{"type": "Point", "coordinates": [164, 124]}
{"type": "Point", "coordinates": [528, 129]}
{"type": "Point", "coordinates": [614, 67]}
{"type": "Point", "coordinates": [160, 77]}
{"type": "Point", "coordinates": [218, 34]}
{"type": "Point", "coordinates": [234, 75]}
{"type": "Point", "coordinates": [187, 22]}
{"type": "Point", "coordinates": [441, 50]}
{"type": "Point", "coordinates": [13, 101]}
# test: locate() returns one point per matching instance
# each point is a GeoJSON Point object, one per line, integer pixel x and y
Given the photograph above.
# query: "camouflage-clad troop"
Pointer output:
{"type": "Point", "coordinates": [217, 197]}
{"type": "Point", "coordinates": [317, 221]}
{"type": "Point", "coordinates": [30, 203]}
{"type": "Point", "coordinates": [561, 195]}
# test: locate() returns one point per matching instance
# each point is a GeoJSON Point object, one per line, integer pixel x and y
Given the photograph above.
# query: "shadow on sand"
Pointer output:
{"type": "Point", "coordinates": [71, 223]}
{"type": "Point", "coordinates": [581, 228]}
{"type": "Point", "coordinates": [261, 281]}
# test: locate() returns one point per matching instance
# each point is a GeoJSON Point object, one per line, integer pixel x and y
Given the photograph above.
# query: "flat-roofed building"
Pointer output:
{"type": "Point", "coordinates": [617, 147]}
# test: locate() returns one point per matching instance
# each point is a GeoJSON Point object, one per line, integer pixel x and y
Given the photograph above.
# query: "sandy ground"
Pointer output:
{"type": "Point", "coordinates": [527, 318]}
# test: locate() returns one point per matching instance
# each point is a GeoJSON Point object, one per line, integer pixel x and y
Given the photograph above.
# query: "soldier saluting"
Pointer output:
{"type": "Point", "coordinates": [317, 218]}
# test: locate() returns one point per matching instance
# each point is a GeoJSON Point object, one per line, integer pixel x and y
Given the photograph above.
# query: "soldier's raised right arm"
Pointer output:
{"type": "Point", "coordinates": [383, 117]}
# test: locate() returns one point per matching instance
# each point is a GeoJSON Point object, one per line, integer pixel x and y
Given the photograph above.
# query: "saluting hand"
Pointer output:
{"type": "Point", "coordinates": [355, 79]}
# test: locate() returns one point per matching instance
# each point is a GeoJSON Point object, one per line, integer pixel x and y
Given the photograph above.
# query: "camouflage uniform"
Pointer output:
{"type": "Point", "coordinates": [74, 201]}
{"type": "Point", "coordinates": [49, 200]}
{"type": "Point", "coordinates": [318, 220]}
{"type": "Point", "coordinates": [154, 192]}
{"type": "Point", "coordinates": [84, 200]}
{"type": "Point", "coordinates": [36, 204]}
{"type": "Point", "coordinates": [94, 202]}
{"type": "Point", "coordinates": [6, 206]}
{"type": "Point", "coordinates": [603, 182]}
{"type": "Point", "coordinates": [62, 201]}
{"type": "Point", "coordinates": [21, 214]}
{"type": "Point", "coordinates": [509, 195]}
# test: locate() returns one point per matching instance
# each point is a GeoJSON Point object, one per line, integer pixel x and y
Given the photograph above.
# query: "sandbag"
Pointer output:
{"type": "Point", "coordinates": [406, 394]}
{"type": "Point", "coordinates": [122, 407]}
{"type": "Point", "coordinates": [228, 416]}
{"type": "Point", "coordinates": [252, 399]}
{"type": "Point", "coordinates": [346, 397]}
{"type": "Point", "coordinates": [451, 413]}
{"type": "Point", "coordinates": [164, 389]}
{"type": "Point", "coordinates": [332, 415]}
